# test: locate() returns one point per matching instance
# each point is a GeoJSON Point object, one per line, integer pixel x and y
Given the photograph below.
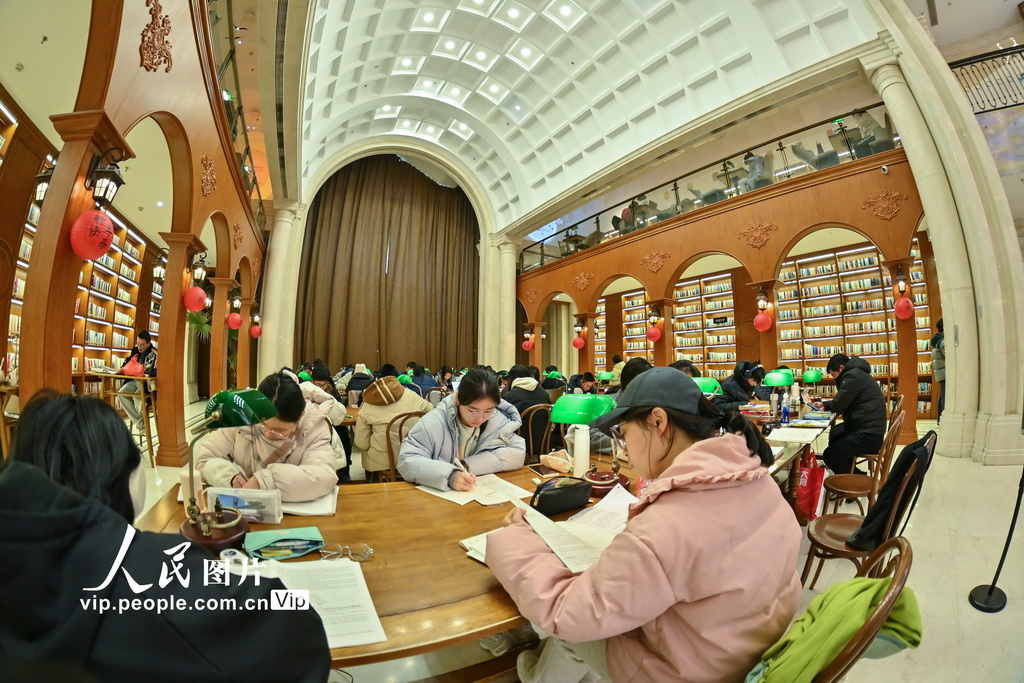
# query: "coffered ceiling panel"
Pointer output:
{"type": "Point", "coordinates": [527, 98]}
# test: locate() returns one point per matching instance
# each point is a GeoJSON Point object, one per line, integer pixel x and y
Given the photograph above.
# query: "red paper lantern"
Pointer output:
{"type": "Point", "coordinates": [904, 308]}
{"type": "Point", "coordinates": [91, 235]}
{"type": "Point", "coordinates": [255, 331]}
{"type": "Point", "coordinates": [235, 320]}
{"type": "Point", "coordinates": [579, 342]}
{"type": "Point", "coordinates": [653, 333]}
{"type": "Point", "coordinates": [195, 299]}
{"type": "Point", "coordinates": [762, 322]}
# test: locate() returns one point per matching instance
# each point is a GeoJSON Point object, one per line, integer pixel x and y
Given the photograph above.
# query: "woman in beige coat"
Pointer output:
{"type": "Point", "coordinates": [290, 452]}
{"type": "Point", "coordinates": [382, 401]}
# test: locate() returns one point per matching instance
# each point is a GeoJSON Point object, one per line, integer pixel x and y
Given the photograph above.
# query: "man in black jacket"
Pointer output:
{"type": "Point", "coordinates": [145, 353]}
{"type": "Point", "coordinates": [862, 404]}
{"type": "Point", "coordinates": [738, 389]}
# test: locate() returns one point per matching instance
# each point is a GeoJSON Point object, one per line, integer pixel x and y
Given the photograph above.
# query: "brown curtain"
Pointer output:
{"type": "Point", "coordinates": [389, 270]}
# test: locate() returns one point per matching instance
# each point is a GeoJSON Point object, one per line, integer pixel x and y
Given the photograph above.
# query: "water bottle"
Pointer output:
{"type": "Point", "coordinates": [785, 413]}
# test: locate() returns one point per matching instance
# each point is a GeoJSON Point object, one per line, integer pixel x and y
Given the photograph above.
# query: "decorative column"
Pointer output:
{"type": "Point", "coordinates": [537, 337]}
{"type": "Point", "coordinates": [956, 437]}
{"type": "Point", "coordinates": [589, 334]}
{"type": "Point", "coordinates": [664, 348]}
{"type": "Point", "coordinates": [906, 339]}
{"type": "Point", "coordinates": [278, 340]}
{"type": "Point", "coordinates": [170, 419]}
{"type": "Point", "coordinates": [508, 252]}
{"type": "Point", "coordinates": [222, 287]}
{"type": "Point", "coordinates": [242, 369]}
{"type": "Point", "coordinates": [768, 341]}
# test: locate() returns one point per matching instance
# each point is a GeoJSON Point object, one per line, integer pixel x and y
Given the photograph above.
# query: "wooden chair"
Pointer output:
{"type": "Point", "coordinates": [877, 565]}
{"type": "Point", "coordinates": [435, 395]}
{"type": "Point", "coordinates": [555, 394]}
{"type": "Point", "coordinates": [828, 533]}
{"type": "Point", "coordinates": [398, 426]}
{"type": "Point", "coordinates": [897, 408]}
{"type": "Point", "coordinates": [536, 444]}
{"type": "Point", "coordinates": [354, 396]}
{"type": "Point", "coordinates": [857, 486]}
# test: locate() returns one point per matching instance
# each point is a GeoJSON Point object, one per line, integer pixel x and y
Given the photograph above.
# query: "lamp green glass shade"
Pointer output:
{"type": "Point", "coordinates": [779, 378]}
{"type": "Point", "coordinates": [580, 409]}
{"type": "Point", "coordinates": [405, 379]}
{"type": "Point", "coordinates": [239, 408]}
{"type": "Point", "coordinates": [812, 375]}
{"type": "Point", "coordinates": [708, 385]}
{"type": "Point", "coordinates": [305, 376]}
{"type": "Point", "coordinates": [605, 375]}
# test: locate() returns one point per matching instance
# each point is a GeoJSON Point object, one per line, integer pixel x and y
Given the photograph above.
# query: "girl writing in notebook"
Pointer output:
{"type": "Point", "coordinates": [703, 579]}
{"type": "Point", "coordinates": [471, 432]}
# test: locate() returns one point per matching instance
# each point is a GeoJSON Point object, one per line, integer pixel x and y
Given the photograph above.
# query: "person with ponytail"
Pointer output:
{"type": "Point", "coordinates": [290, 452]}
{"type": "Point", "coordinates": [703, 579]}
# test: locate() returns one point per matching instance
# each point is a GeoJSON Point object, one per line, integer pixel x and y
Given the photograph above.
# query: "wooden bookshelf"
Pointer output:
{"type": "Point", "coordinates": [704, 324]}
{"type": "Point", "coordinates": [601, 354]}
{"type": "Point", "coordinates": [635, 343]}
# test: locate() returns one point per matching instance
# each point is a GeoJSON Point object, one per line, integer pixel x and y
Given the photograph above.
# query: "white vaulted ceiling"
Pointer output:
{"type": "Point", "coordinates": [526, 98]}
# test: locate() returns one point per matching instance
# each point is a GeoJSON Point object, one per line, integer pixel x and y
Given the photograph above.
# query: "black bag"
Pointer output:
{"type": "Point", "coordinates": [560, 494]}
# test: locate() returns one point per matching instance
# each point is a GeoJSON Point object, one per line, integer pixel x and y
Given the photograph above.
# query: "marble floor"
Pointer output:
{"type": "Point", "coordinates": [957, 534]}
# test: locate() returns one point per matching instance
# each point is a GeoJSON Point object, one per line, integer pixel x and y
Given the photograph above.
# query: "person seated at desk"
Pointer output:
{"type": "Point", "coordinates": [471, 432]}
{"type": "Point", "coordinates": [862, 405]}
{"type": "Point", "coordinates": [360, 378]}
{"type": "Point", "coordinates": [320, 393]}
{"type": "Point", "coordinates": [524, 393]}
{"type": "Point", "coordinates": [68, 495]}
{"type": "Point", "coordinates": [617, 365]}
{"type": "Point", "coordinates": [290, 452]}
{"type": "Point", "coordinates": [738, 388]}
{"type": "Point", "coordinates": [552, 378]}
{"type": "Point", "coordinates": [383, 400]}
{"type": "Point", "coordinates": [423, 380]}
{"type": "Point", "coordinates": [703, 579]}
{"type": "Point", "coordinates": [145, 353]}
{"type": "Point", "coordinates": [444, 378]}
{"type": "Point", "coordinates": [687, 367]}
{"type": "Point", "coordinates": [582, 384]}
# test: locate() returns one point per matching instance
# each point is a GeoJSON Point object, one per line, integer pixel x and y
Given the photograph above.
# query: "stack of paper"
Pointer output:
{"type": "Point", "coordinates": [490, 489]}
{"type": "Point", "coordinates": [325, 506]}
{"type": "Point", "coordinates": [610, 513]}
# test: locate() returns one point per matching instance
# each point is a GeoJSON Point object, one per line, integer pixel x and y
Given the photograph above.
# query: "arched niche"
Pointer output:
{"type": "Point", "coordinates": [622, 328]}
{"type": "Point", "coordinates": [557, 349]}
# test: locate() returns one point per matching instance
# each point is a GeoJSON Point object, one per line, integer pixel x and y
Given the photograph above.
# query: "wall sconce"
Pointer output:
{"type": "Point", "coordinates": [236, 302]}
{"type": "Point", "coordinates": [256, 317]}
{"type": "Point", "coordinates": [159, 269]}
{"type": "Point", "coordinates": [901, 280]}
{"type": "Point", "coordinates": [762, 300]}
{"type": "Point", "coordinates": [199, 269]}
{"type": "Point", "coordinates": [43, 182]}
{"type": "Point", "coordinates": [543, 335]}
{"type": "Point", "coordinates": [654, 314]}
{"type": "Point", "coordinates": [527, 334]}
{"type": "Point", "coordinates": [105, 181]}
{"type": "Point", "coordinates": [578, 327]}
{"type": "Point", "coordinates": [209, 302]}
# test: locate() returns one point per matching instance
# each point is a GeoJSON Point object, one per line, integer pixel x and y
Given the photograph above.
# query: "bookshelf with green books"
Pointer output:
{"type": "Point", "coordinates": [704, 324]}
{"type": "Point", "coordinates": [600, 337]}
{"type": "Point", "coordinates": [635, 343]}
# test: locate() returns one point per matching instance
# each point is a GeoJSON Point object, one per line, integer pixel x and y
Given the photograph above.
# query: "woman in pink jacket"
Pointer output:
{"type": "Point", "coordinates": [703, 579]}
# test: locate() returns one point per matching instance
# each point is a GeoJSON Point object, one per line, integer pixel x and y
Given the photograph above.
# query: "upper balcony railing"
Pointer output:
{"type": "Point", "coordinates": [994, 80]}
{"type": "Point", "coordinates": [839, 140]}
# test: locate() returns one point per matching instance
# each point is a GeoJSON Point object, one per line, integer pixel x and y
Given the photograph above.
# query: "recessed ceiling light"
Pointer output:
{"type": "Point", "coordinates": [159, 203]}
{"type": "Point", "coordinates": [456, 91]}
{"type": "Point", "coordinates": [387, 107]}
{"type": "Point", "coordinates": [462, 126]}
{"type": "Point", "coordinates": [518, 107]}
{"type": "Point", "coordinates": [429, 16]}
{"type": "Point", "coordinates": [481, 55]}
{"type": "Point", "coordinates": [493, 87]}
{"type": "Point", "coordinates": [406, 62]}
{"type": "Point", "coordinates": [449, 45]}
{"type": "Point", "coordinates": [513, 13]}
{"type": "Point", "coordinates": [406, 124]}
{"type": "Point", "coordinates": [428, 84]}
{"type": "Point", "coordinates": [525, 52]}
{"type": "Point", "coordinates": [565, 10]}
{"type": "Point", "coordinates": [430, 129]}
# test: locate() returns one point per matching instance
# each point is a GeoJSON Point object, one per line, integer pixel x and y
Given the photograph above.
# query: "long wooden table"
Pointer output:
{"type": "Point", "coordinates": [428, 593]}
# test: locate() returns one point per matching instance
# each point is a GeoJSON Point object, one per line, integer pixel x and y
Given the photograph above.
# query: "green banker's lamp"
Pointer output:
{"type": "Point", "coordinates": [581, 410]}
{"type": "Point", "coordinates": [223, 527]}
{"type": "Point", "coordinates": [811, 376]}
{"type": "Point", "coordinates": [779, 378]}
{"type": "Point", "coordinates": [605, 376]}
{"type": "Point", "coordinates": [709, 385]}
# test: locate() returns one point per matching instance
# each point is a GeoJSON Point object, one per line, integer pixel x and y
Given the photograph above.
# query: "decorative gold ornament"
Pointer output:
{"type": "Point", "coordinates": [655, 261]}
{"type": "Point", "coordinates": [885, 203]}
{"type": "Point", "coordinates": [154, 49]}
{"type": "Point", "coordinates": [238, 235]}
{"type": "Point", "coordinates": [209, 178]}
{"type": "Point", "coordinates": [582, 281]}
{"type": "Point", "coordinates": [757, 235]}
{"type": "Point", "coordinates": [532, 294]}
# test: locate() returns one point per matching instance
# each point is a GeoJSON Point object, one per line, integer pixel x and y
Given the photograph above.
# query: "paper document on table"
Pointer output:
{"type": "Point", "coordinates": [457, 497]}
{"type": "Point", "coordinates": [777, 450]}
{"type": "Point", "coordinates": [610, 513]}
{"type": "Point", "coordinates": [576, 545]}
{"type": "Point", "coordinates": [338, 593]}
{"type": "Point", "coordinates": [793, 435]}
{"type": "Point", "coordinates": [324, 506]}
{"type": "Point", "coordinates": [476, 546]}
{"type": "Point", "coordinates": [490, 489]}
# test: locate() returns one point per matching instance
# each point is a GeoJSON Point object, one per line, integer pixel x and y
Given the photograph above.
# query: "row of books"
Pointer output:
{"type": "Point", "coordinates": [122, 318]}
{"type": "Point", "coordinates": [126, 271]}
{"type": "Point", "coordinates": [866, 283]}
{"type": "Point", "coordinates": [817, 270]}
{"type": "Point", "coordinates": [19, 287]}
{"type": "Point", "coordinates": [25, 251]}
{"type": "Point", "coordinates": [687, 293]}
{"type": "Point", "coordinates": [93, 338]}
{"type": "Point", "coordinates": [107, 261]}
{"type": "Point", "coordinates": [96, 311]}
{"type": "Point", "coordinates": [123, 295]}
{"type": "Point", "coordinates": [718, 357]}
{"type": "Point", "coordinates": [721, 338]}
{"type": "Point", "coordinates": [100, 285]}
{"type": "Point", "coordinates": [854, 264]}
{"type": "Point", "coordinates": [718, 287]}
{"type": "Point", "coordinates": [718, 305]}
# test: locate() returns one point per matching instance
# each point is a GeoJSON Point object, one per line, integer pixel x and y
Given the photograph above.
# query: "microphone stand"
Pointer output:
{"type": "Point", "coordinates": [989, 598]}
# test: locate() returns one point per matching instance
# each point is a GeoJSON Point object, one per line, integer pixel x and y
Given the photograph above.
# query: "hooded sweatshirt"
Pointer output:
{"type": "Point", "coordinates": [65, 545]}
{"type": "Point", "coordinates": [699, 585]}
{"type": "Point", "coordinates": [382, 401]}
{"type": "Point", "coordinates": [430, 450]}
{"type": "Point", "coordinates": [859, 399]}
{"type": "Point", "coordinates": [524, 394]}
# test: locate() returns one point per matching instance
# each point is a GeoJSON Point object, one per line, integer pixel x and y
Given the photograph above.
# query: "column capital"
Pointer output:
{"type": "Point", "coordinates": [767, 285]}
{"type": "Point", "coordinates": [218, 282]}
{"type": "Point", "coordinates": [191, 243]}
{"type": "Point", "coordinates": [505, 245]}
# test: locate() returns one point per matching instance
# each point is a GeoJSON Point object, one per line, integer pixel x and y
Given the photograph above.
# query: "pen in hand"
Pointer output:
{"type": "Point", "coordinates": [464, 480]}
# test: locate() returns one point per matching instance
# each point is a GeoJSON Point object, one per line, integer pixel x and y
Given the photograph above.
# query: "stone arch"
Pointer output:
{"type": "Point", "coordinates": [677, 273]}
{"type": "Point", "coordinates": [603, 285]}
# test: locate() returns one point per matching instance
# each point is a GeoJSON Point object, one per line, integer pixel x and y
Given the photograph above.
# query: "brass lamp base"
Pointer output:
{"type": "Point", "coordinates": [603, 482]}
{"type": "Point", "coordinates": [220, 538]}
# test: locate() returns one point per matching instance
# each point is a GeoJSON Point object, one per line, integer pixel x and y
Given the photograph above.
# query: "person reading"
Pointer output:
{"type": "Point", "coordinates": [290, 452]}
{"type": "Point", "coordinates": [145, 354]}
{"type": "Point", "coordinates": [862, 405]}
{"type": "Point", "coordinates": [702, 580]}
{"type": "Point", "coordinates": [738, 388]}
{"type": "Point", "coordinates": [471, 432]}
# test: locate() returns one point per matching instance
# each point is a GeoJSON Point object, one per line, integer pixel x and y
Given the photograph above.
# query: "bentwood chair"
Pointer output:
{"type": "Point", "coordinates": [897, 408]}
{"type": "Point", "coordinates": [828, 534]}
{"type": "Point", "coordinates": [892, 558]}
{"type": "Point", "coordinates": [536, 430]}
{"type": "Point", "coordinates": [856, 486]}
{"type": "Point", "coordinates": [398, 429]}
{"type": "Point", "coordinates": [555, 394]}
{"type": "Point", "coordinates": [435, 395]}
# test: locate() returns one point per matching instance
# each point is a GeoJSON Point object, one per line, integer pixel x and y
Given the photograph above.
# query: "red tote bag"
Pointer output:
{"type": "Point", "coordinates": [133, 369]}
{"type": "Point", "coordinates": [810, 494]}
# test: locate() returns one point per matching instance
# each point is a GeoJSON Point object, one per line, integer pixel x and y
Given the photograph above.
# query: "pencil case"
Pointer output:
{"type": "Point", "coordinates": [560, 494]}
{"type": "Point", "coordinates": [283, 544]}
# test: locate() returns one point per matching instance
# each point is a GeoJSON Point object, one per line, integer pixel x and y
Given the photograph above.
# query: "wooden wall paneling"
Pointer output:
{"type": "Point", "coordinates": [934, 304]}
{"type": "Point", "coordinates": [219, 311]}
{"type": "Point", "coordinates": [664, 350]}
{"type": "Point", "coordinates": [906, 338]}
{"type": "Point", "coordinates": [768, 342]}
{"type": "Point", "coordinates": [589, 353]}
{"type": "Point", "coordinates": [613, 341]}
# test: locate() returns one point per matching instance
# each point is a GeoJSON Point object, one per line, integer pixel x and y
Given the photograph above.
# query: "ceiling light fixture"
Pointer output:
{"type": "Point", "coordinates": [462, 126]}
{"type": "Point", "coordinates": [428, 84]}
{"type": "Point", "coordinates": [406, 62]}
{"type": "Point", "coordinates": [430, 129]}
{"type": "Point", "coordinates": [449, 45]}
{"type": "Point", "coordinates": [518, 107]}
{"type": "Point", "coordinates": [456, 91]}
{"type": "Point", "coordinates": [406, 124]}
{"type": "Point", "coordinates": [513, 13]}
{"type": "Point", "coordinates": [565, 10]}
{"type": "Point", "coordinates": [159, 203]}
{"type": "Point", "coordinates": [525, 52]}
{"type": "Point", "coordinates": [428, 17]}
{"type": "Point", "coordinates": [493, 87]}
{"type": "Point", "coordinates": [387, 107]}
{"type": "Point", "coordinates": [481, 55]}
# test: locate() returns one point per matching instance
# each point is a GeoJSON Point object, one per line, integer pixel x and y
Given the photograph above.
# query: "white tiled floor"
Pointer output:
{"type": "Point", "coordinates": [957, 533]}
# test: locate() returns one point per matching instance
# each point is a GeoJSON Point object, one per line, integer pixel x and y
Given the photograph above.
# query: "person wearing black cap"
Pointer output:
{"type": "Point", "coordinates": [738, 389]}
{"type": "Point", "coordinates": [703, 578]}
